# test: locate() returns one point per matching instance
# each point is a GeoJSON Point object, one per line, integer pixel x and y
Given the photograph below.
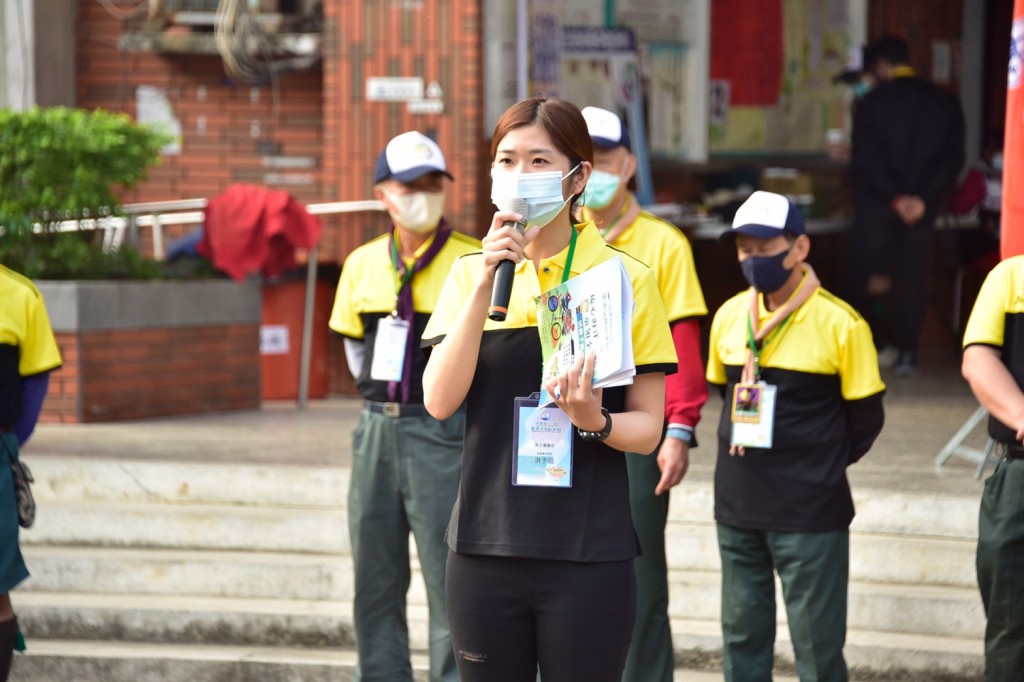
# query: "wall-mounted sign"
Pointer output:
{"type": "Point", "coordinates": [274, 339]}
{"type": "Point", "coordinates": [393, 89]}
{"type": "Point", "coordinates": [425, 106]}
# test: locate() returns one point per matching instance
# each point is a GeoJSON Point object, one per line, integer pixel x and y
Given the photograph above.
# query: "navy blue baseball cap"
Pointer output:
{"type": "Point", "coordinates": [606, 129]}
{"type": "Point", "coordinates": [409, 157]}
{"type": "Point", "coordinates": [765, 215]}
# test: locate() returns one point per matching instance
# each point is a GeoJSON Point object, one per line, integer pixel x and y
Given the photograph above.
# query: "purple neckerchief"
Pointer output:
{"type": "Point", "coordinates": [404, 306]}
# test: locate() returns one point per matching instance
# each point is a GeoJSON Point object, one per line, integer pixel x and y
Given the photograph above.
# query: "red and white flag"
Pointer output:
{"type": "Point", "coordinates": [1012, 219]}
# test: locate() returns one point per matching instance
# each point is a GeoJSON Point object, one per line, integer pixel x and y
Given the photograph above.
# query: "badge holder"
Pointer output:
{"type": "Point", "coordinates": [542, 445]}
{"type": "Point", "coordinates": [753, 415]}
{"type": "Point", "coordinates": [389, 349]}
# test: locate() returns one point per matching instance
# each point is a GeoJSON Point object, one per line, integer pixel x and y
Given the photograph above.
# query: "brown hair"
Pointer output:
{"type": "Point", "coordinates": [563, 122]}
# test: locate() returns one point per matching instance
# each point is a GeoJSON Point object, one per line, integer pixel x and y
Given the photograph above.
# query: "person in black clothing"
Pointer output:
{"type": "Point", "coordinates": [908, 149]}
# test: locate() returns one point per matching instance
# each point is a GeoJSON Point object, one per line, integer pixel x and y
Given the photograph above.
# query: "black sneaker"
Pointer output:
{"type": "Point", "coordinates": [906, 364]}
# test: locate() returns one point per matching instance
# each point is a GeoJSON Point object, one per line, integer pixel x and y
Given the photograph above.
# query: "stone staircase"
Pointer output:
{"type": "Point", "coordinates": [179, 571]}
{"type": "Point", "coordinates": [914, 608]}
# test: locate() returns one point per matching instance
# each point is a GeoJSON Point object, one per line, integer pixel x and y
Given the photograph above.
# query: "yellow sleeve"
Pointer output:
{"type": "Point", "coordinates": [677, 280]}
{"type": "Point", "coordinates": [652, 338]}
{"type": "Point", "coordinates": [345, 317]}
{"type": "Point", "coordinates": [858, 363]}
{"type": "Point", "coordinates": [987, 322]}
{"type": "Point", "coordinates": [38, 351]}
{"type": "Point", "coordinates": [452, 299]}
{"type": "Point", "coordinates": [716, 368]}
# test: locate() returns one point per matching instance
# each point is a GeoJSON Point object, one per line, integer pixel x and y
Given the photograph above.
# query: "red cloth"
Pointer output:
{"type": "Point", "coordinates": [254, 229]}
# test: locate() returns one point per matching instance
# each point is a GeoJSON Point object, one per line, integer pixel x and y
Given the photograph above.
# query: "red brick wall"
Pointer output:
{"type": "Point", "coordinates": [436, 40]}
{"type": "Point", "coordinates": [238, 117]}
{"type": "Point", "coordinates": [144, 373]}
{"type": "Point", "coordinates": [62, 398]}
{"type": "Point", "coordinates": [321, 113]}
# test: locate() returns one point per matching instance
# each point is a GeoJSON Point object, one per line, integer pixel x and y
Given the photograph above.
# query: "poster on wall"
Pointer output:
{"type": "Point", "coordinates": [662, 85]}
{"type": "Point", "coordinates": [776, 60]}
{"type": "Point", "coordinates": [661, 20]}
{"type": "Point", "coordinates": [546, 48]}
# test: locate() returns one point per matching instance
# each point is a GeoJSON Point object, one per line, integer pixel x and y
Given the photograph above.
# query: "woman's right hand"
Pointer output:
{"type": "Point", "coordinates": [503, 243]}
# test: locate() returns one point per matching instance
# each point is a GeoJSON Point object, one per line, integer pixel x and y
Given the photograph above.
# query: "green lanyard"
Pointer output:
{"type": "Point", "coordinates": [568, 257]}
{"type": "Point", "coordinates": [755, 349]}
{"type": "Point", "coordinates": [394, 261]}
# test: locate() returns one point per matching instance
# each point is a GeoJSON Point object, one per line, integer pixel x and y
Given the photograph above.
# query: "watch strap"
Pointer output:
{"type": "Point", "coordinates": [598, 436]}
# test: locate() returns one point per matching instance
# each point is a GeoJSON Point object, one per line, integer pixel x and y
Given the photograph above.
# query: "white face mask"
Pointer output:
{"type": "Point", "coordinates": [419, 212]}
{"type": "Point", "coordinates": [541, 191]}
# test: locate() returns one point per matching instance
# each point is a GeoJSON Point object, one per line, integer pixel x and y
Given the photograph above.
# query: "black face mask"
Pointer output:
{"type": "Point", "coordinates": [767, 274]}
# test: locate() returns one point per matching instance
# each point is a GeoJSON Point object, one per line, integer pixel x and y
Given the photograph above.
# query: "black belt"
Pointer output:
{"type": "Point", "coordinates": [1014, 452]}
{"type": "Point", "coordinates": [396, 409]}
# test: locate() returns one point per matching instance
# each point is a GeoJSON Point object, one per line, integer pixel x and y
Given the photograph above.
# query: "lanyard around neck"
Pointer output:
{"type": "Point", "coordinates": [409, 272]}
{"type": "Point", "coordinates": [568, 256]}
{"type": "Point", "coordinates": [756, 349]}
{"type": "Point", "coordinates": [606, 230]}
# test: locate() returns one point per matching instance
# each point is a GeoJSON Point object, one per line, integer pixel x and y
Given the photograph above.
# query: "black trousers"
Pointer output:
{"type": "Point", "coordinates": [508, 616]}
{"type": "Point", "coordinates": [901, 252]}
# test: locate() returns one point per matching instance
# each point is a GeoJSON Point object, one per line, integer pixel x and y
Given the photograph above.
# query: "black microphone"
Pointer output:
{"type": "Point", "coordinates": [502, 291]}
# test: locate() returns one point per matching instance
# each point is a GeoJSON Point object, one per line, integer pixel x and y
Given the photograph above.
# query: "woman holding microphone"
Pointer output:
{"type": "Point", "coordinates": [541, 576]}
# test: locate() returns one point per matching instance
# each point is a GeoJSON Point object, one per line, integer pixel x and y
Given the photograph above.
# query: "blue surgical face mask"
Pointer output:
{"type": "Point", "coordinates": [767, 274]}
{"type": "Point", "coordinates": [601, 189]}
{"type": "Point", "coordinates": [541, 191]}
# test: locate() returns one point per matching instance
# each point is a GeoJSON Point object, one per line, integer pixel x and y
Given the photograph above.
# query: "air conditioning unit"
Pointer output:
{"type": "Point", "coordinates": [262, 6]}
{"type": "Point", "coordinates": [191, 5]}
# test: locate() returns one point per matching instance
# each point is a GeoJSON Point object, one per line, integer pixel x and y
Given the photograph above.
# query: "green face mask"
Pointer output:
{"type": "Point", "coordinates": [601, 189]}
{"type": "Point", "coordinates": [861, 88]}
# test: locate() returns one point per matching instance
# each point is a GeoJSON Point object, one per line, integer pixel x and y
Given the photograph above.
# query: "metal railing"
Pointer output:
{"type": "Point", "coordinates": [159, 214]}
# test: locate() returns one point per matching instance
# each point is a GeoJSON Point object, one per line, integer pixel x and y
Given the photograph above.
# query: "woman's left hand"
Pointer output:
{"type": "Point", "coordinates": [574, 393]}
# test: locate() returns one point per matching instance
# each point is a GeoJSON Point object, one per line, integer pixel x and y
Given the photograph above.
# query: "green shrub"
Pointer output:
{"type": "Point", "coordinates": [59, 163]}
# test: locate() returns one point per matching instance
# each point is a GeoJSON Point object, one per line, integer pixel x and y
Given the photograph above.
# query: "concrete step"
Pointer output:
{"type": "Point", "coordinates": [877, 511]}
{"type": "Point", "coordinates": [923, 609]}
{"type": "Point", "coordinates": [117, 661]}
{"type": "Point", "coordinates": [874, 557]}
{"type": "Point", "coordinates": [869, 655]}
{"type": "Point", "coordinates": [927, 609]}
{"type": "Point", "coordinates": [235, 575]}
{"type": "Point", "coordinates": [190, 526]}
{"type": "Point", "coordinates": [238, 575]}
{"type": "Point", "coordinates": [195, 620]}
{"type": "Point", "coordinates": [98, 480]}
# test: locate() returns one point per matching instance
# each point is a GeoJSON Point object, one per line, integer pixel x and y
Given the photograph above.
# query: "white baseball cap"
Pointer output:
{"type": "Point", "coordinates": [408, 157]}
{"type": "Point", "coordinates": [606, 128]}
{"type": "Point", "coordinates": [765, 215]}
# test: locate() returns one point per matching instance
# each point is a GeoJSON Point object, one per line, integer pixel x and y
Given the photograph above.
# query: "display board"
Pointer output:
{"type": "Point", "coordinates": [662, 71]}
{"type": "Point", "coordinates": [771, 69]}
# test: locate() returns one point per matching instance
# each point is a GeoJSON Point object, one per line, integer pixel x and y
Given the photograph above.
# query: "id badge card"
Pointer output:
{"type": "Point", "coordinates": [542, 445]}
{"type": "Point", "coordinates": [389, 349]}
{"type": "Point", "coordinates": [753, 415]}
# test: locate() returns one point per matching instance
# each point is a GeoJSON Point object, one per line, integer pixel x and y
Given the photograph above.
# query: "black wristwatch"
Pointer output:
{"type": "Point", "coordinates": [598, 436]}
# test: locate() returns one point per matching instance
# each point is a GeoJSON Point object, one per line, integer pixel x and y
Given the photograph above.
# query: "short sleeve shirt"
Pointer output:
{"type": "Point", "coordinates": [997, 320]}
{"type": "Point", "coordinates": [367, 292]}
{"type": "Point", "coordinates": [27, 344]}
{"type": "Point", "coordinates": [820, 360]}
{"type": "Point", "coordinates": [590, 521]}
{"type": "Point", "coordinates": [665, 250]}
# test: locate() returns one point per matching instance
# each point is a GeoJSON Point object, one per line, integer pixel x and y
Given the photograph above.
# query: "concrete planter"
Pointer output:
{"type": "Point", "coordinates": [135, 350]}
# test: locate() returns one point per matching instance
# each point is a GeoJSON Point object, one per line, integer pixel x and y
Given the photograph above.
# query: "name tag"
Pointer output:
{"type": "Point", "coordinates": [389, 349]}
{"type": "Point", "coordinates": [542, 449]}
{"type": "Point", "coordinates": [753, 415]}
